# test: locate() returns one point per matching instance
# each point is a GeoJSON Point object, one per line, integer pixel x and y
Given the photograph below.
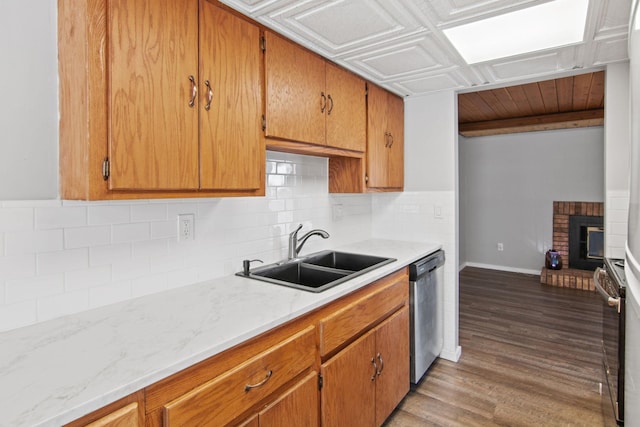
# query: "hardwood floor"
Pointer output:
{"type": "Point", "coordinates": [530, 357]}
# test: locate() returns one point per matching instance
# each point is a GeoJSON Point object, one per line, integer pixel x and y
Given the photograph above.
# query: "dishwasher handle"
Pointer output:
{"type": "Point", "coordinates": [426, 265]}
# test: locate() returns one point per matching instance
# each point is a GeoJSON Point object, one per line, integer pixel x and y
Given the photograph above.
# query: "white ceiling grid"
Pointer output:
{"type": "Point", "coordinates": [400, 45]}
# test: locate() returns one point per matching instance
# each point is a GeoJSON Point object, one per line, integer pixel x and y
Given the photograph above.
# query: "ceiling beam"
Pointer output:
{"type": "Point", "coordinates": [574, 119]}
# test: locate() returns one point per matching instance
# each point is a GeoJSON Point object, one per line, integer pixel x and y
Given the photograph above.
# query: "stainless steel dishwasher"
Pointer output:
{"type": "Point", "coordinates": [425, 299]}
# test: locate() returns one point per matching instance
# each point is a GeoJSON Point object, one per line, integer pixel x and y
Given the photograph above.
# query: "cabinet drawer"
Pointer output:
{"type": "Point", "coordinates": [224, 398]}
{"type": "Point", "coordinates": [347, 322]}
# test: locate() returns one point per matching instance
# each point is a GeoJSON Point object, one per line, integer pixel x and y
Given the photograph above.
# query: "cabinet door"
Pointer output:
{"type": "Point", "coordinates": [297, 407]}
{"type": "Point", "coordinates": [392, 357]}
{"type": "Point", "coordinates": [231, 140]}
{"type": "Point", "coordinates": [395, 123]}
{"type": "Point", "coordinates": [377, 137]}
{"type": "Point", "coordinates": [346, 114]}
{"type": "Point", "coordinates": [348, 390]}
{"type": "Point", "coordinates": [153, 132]}
{"type": "Point", "coordinates": [295, 94]}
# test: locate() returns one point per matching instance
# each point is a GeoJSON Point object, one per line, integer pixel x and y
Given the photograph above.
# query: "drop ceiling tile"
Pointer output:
{"type": "Point", "coordinates": [391, 60]}
{"type": "Point", "coordinates": [256, 8]}
{"type": "Point", "coordinates": [432, 83]}
{"type": "Point", "coordinates": [453, 12]}
{"type": "Point", "coordinates": [613, 20]}
{"type": "Point", "coordinates": [337, 26]}
{"type": "Point", "coordinates": [610, 50]}
{"type": "Point", "coordinates": [526, 66]}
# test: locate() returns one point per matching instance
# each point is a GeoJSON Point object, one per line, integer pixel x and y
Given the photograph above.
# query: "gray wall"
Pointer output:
{"type": "Point", "coordinates": [28, 100]}
{"type": "Point", "coordinates": [507, 187]}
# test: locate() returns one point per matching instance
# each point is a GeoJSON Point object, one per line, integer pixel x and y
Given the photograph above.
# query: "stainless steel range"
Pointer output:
{"type": "Point", "coordinates": [611, 284]}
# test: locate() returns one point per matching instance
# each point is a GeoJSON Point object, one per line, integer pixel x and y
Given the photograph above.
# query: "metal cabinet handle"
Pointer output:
{"type": "Point", "coordinates": [390, 139]}
{"type": "Point", "coordinates": [381, 364]}
{"type": "Point", "coordinates": [386, 139]}
{"type": "Point", "coordinates": [331, 105]}
{"type": "Point", "coordinates": [248, 387]}
{"type": "Point", "coordinates": [194, 91]}
{"type": "Point", "coordinates": [324, 102]}
{"type": "Point", "coordinates": [209, 95]}
{"type": "Point", "coordinates": [375, 369]}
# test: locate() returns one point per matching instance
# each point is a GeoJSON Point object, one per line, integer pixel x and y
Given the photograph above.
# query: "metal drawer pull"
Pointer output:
{"type": "Point", "coordinates": [209, 95]}
{"type": "Point", "coordinates": [375, 369]}
{"type": "Point", "coordinates": [260, 384]}
{"type": "Point", "coordinates": [331, 106]}
{"type": "Point", "coordinates": [324, 102]}
{"type": "Point", "coordinates": [390, 139]}
{"type": "Point", "coordinates": [381, 364]}
{"type": "Point", "coordinates": [194, 91]}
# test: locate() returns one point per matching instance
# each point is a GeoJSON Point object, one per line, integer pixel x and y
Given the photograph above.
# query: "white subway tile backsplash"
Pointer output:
{"type": "Point", "coordinates": [87, 278]}
{"type": "Point", "coordinates": [150, 248]}
{"type": "Point", "coordinates": [84, 237]}
{"type": "Point", "coordinates": [19, 290]}
{"type": "Point", "coordinates": [148, 285]}
{"type": "Point", "coordinates": [131, 232]}
{"type": "Point", "coordinates": [165, 229]}
{"type": "Point", "coordinates": [31, 242]}
{"type": "Point", "coordinates": [17, 266]}
{"type": "Point", "coordinates": [285, 168]}
{"type": "Point", "coordinates": [109, 294]}
{"type": "Point", "coordinates": [108, 254]}
{"type": "Point", "coordinates": [61, 257]}
{"type": "Point", "coordinates": [129, 269]}
{"type": "Point", "coordinates": [16, 219]}
{"type": "Point", "coordinates": [108, 214]}
{"type": "Point", "coordinates": [150, 212]}
{"type": "Point", "coordinates": [61, 261]}
{"type": "Point", "coordinates": [175, 209]}
{"type": "Point", "coordinates": [48, 218]}
{"type": "Point", "coordinates": [62, 304]}
{"type": "Point", "coordinates": [16, 315]}
{"type": "Point", "coordinates": [276, 180]}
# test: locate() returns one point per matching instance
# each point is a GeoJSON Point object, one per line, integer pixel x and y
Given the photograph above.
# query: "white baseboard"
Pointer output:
{"type": "Point", "coordinates": [502, 268]}
{"type": "Point", "coordinates": [452, 356]}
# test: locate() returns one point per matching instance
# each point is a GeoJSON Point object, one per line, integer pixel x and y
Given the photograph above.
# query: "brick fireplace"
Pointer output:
{"type": "Point", "coordinates": [569, 277]}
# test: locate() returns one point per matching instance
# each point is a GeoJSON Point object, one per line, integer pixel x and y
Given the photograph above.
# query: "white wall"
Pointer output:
{"type": "Point", "coordinates": [28, 100]}
{"type": "Point", "coordinates": [617, 138]}
{"type": "Point", "coordinates": [507, 187]}
{"type": "Point", "coordinates": [430, 188]}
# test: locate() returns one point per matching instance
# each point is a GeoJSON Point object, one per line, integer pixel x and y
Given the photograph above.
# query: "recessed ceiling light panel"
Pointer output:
{"type": "Point", "coordinates": [549, 25]}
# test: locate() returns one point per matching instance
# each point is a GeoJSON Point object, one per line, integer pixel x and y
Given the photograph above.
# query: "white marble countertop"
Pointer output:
{"type": "Point", "coordinates": [54, 372]}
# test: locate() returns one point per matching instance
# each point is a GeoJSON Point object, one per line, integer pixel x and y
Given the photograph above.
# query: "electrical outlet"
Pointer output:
{"type": "Point", "coordinates": [186, 227]}
{"type": "Point", "coordinates": [500, 247]}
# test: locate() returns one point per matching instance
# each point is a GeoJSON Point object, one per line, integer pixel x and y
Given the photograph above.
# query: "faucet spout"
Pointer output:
{"type": "Point", "coordinates": [295, 244]}
{"type": "Point", "coordinates": [304, 238]}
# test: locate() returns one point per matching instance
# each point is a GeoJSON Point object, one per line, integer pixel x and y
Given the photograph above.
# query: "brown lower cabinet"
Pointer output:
{"type": "Point", "coordinates": [364, 382]}
{"type": "Point", "coordinates": [346, 363]}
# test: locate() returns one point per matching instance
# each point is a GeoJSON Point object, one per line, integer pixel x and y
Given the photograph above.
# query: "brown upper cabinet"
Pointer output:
{"type": "Point", "coordinates": [385, 145]}
{"type": "Point", "coordinates": [311, 100]}
{"type": "Point", "coordinates": [159, 99]}
{"type": "Point", "coordinates": [382, 168]}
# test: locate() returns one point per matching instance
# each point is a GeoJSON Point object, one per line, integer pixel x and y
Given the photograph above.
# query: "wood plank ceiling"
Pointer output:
{"type": "Point", "coordinates": [568, 102]}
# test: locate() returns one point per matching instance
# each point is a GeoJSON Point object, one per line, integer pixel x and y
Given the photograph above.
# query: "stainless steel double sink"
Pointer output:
{"type": "Point", "coordinates": [319, 271]}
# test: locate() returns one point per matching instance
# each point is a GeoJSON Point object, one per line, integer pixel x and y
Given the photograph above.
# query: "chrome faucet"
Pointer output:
{"type": "Point", "coordinates": [295, 245]}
